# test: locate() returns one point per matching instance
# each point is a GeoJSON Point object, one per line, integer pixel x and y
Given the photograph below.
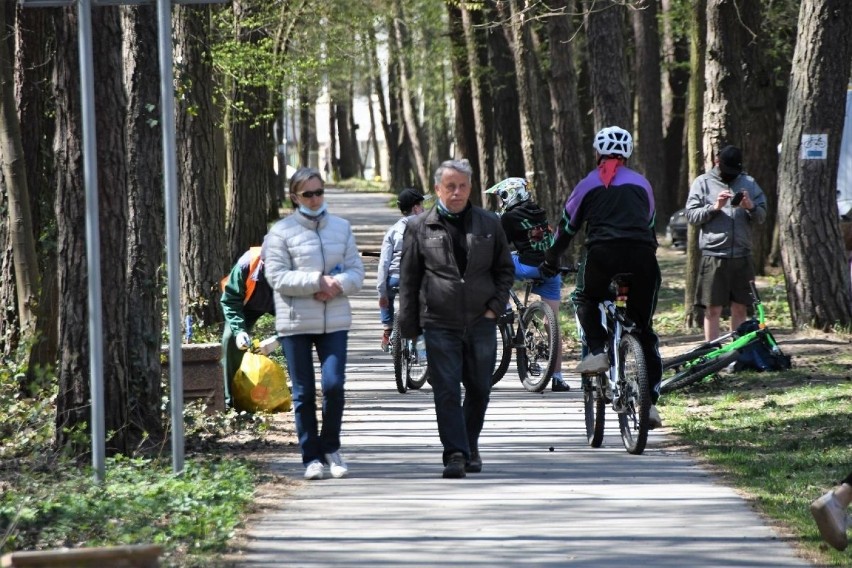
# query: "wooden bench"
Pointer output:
{"type": "Point", "coordinates": [129, 556]}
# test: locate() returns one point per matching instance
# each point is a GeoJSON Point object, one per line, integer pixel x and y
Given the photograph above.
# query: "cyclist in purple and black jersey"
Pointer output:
{"type": "Point", "coordinates": [616, 206]}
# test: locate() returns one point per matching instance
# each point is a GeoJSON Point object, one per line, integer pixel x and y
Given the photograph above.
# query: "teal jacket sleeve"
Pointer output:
{"type": "Point", "coordinates": [233, 297]}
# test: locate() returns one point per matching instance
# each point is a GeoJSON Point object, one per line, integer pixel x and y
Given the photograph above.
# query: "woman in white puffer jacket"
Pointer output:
{"type": "Point", "coordinates": [313, 265]}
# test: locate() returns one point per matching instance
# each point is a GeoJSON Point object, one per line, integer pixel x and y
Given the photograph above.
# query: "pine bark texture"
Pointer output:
{"type": "Point", "coordinates": [35, 45]}
{"type": "Point", "coordinates": [463, 96]}
{"type": "Point", "coordinates": [569, 166]}
{"type": "Point", "coordinates": [146, 231]}
{"type": "Point", "coordinates": [203, 254]}
{"type": "Point", "coordinates": [508, 154]}
{"type": "Point", "coordinates": [723, 79]}
{"type": "Point", "coordinates": [111, 105]}
{"type": "Point", "coordinates": [481, 100]}
{"type": "Point", "coordinates": [695, 152]}
{"type": "Point", "coordinates": [607, 64]}
{"type": "Point", "coordinates": [815, 263]}
{"type": "Point", "coordinates": [250, 150]}
{"type": "Point", "coordinates": [18, 199]}
{"type": "Point", "coordinates": [648, 133]}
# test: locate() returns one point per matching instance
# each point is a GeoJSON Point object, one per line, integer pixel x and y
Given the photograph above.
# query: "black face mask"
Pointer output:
{"type": "Point", "coordinates": [728, 178]}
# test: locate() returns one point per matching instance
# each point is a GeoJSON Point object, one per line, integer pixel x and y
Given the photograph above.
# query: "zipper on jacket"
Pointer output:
{"type": "Point", "coordinates": [324, 304]}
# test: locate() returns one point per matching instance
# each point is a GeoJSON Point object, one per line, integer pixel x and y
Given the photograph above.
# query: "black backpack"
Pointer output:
{"type": "Point", "coordinates": [759, 355]}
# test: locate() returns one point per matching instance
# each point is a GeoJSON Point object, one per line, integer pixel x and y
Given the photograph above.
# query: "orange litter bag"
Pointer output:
{"type": "Point", "coordinates": [260, 385]}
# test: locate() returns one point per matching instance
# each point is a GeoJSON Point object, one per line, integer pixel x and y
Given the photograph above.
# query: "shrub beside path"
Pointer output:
{"type": "Point", "coordinates": [544, 497]}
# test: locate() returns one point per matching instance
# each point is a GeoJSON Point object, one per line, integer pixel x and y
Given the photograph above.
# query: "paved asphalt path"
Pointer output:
{"type": "Point", "coordinates": [544, 497]}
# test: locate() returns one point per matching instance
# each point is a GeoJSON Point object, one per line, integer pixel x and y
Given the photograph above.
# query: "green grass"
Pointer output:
{"type": "Point", "coordinates": [782, 438]}
{"type": "Point", "coordinates": [48, 500]}
{"type": "Point", "coordinates": [191, 515]}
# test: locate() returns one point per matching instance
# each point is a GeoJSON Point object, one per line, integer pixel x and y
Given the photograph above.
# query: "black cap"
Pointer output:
{"type": "Point", "coordinates": [731, 160]}
{"type": "Point", "coordinates": [408, 198]}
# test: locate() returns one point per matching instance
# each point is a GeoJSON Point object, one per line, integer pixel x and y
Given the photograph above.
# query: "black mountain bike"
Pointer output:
{"type": "Point", "coordinates": [531, 329]}
{"type": "Point", "coordinates": [410, 367]}
{"type": "Point", "coordinates": [625, 385]}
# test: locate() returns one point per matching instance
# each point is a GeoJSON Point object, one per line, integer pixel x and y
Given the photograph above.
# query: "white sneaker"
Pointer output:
{"type": "Point", "coordinates": [654, 419]}
{"type": "Point", "coordinates": [831, 520]}
{"type": "Point", "coordinates": [315, 470]}
{"type": "Point", "coordinates": [336, 464]}
{"type": "Point", "coordinates": [593, 364]}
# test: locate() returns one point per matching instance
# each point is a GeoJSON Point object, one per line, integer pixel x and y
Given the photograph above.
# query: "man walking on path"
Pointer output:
{"type": "Point", "coordinates": [455, 279]}
{"type": "Point", "coordinates": [529, 507]}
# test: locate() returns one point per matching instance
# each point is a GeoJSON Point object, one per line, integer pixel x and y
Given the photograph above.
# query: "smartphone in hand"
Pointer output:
{"type": "Point", "coordinates": [737, 198]}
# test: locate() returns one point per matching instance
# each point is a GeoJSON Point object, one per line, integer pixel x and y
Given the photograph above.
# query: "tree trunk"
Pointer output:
{"type": "Point", "coordinates": [607, 65]}
{"type": "Point", "coordinates": [35, 49]}
{"type": "Point", "coordinates": [465, 107]}
{"type": "Point", "coordinates": [815, 263]}
{"type": "Point", "coordinates": [760, 144]}
{"type": "Point", "coordinates": [411, 125]}
{"type": "Point", "coordinates": [508, 154]}
{"type": "Point", "coordinates": [675, 186]}
{"type": "Point", "coordinates": [146, 229]}
{"type": "Point", "coordinates": [251, 145]}
{"type": "Point", "coordinates": [73, 402]}
{"type": "Point", "coordinates": [477, 61]}
{"type": "Point", "coordinates": [18, 199]}
{"type": "Point", "coordinates": [349, 154]}
{"type": "Point", "coordinates": [568, 164]}
{"type": "Point", "coordinates": [695, 152]}
{"type": "Point", "coordinates": [112, 203]}
{"type": "Point", "coordinates": [648, 133]}
{"type": "Point", "coordinates": [517, 28]}
{"type": "Point", "coordinates": [723, 77]}
{"type": "Point", "coordinates": [203, 254]}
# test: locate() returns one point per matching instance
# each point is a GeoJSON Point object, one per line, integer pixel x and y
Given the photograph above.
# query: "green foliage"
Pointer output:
{"type": "Point", "coordinates": [26, 420]}
{"type": "Point", "coordinates": [141, 501]}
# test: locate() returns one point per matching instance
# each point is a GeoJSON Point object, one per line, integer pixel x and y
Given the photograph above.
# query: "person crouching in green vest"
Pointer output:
{"type": "Point", "coordinates": [245, 297]}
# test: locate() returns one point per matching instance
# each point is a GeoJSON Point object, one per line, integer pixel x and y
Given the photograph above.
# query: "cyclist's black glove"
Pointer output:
{"type": "Point", "coordinates": [547, 270]}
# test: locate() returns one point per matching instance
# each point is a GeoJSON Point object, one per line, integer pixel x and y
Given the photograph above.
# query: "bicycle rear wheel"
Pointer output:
{"type": "Point", "coordinates": [696, 372]}
{"type": "Point", "coordinates": [537, 362]}
{"type": "Point", "coordinates": [416, 369]}
{"type": "Point", "coordinates": [634, 396]}
{"type": "Point", "coordinates": [396, 349]}
{"type": "Point", "coordinates": [504, 352]}
{"type": "Point", "coordinates": [594, 407]}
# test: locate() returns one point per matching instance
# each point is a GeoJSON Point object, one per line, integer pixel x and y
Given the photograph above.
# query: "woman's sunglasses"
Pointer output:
{"type": "Point", "coordinates": [309, 194]}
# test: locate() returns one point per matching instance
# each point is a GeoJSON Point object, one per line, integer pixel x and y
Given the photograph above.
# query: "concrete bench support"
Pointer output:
{"type": "Point", "coordinates": [202, 374]}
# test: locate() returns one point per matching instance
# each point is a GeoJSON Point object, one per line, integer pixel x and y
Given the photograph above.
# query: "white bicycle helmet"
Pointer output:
{"type": "Point", "coordinates": [511, 192]}
{"type": "Point", "coordinates": [613, 140]}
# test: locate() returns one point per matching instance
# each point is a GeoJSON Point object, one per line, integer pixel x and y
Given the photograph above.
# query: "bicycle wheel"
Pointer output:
{"type": "Point", "coordinates": [634, 396]}
{"type": "Point", "coordinates": [677, 361]}
{"type": "Point", "coordinates": [416, 368]}
{"type": "Point", "coordinates": [594, 407]}
{"type": "Point", "coordinates": [697, 372]}
{"type": "Point", "coordinates": [396, 349]}
{"type": "Point", "coordinates": [504, 352]}
{"type": "Point", "coordinates": [541, 338]}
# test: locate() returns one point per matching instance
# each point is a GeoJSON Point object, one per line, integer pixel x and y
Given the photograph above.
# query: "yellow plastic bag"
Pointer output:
{"type": "Point", "coordinates": [261, 385]}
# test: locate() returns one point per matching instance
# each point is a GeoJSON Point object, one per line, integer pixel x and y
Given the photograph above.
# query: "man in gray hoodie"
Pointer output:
{"type": "Point", "coordinates": [725, 203]}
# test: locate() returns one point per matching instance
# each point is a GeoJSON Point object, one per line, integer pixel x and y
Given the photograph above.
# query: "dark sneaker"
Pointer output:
{"type": "Point", "coordinates": [455, 466]}
{"type": "Point", "coordinates": [474, 464]}
{"type": "Point", "coordinates": [559, 385]}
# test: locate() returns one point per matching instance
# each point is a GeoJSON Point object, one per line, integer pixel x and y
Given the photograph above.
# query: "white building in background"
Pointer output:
{"type": "Point", "coordinates": [321, 158]}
